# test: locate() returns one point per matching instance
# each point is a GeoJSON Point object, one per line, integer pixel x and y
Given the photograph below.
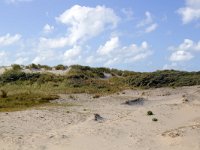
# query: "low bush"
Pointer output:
{"type": "Point", "coordinates": [149, 113]}
{"type": "Point", "coordinates": [154, 119]}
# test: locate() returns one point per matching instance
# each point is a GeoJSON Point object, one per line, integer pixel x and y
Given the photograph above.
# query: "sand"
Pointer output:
{"type": "Point", "coordinates": [123, 127]}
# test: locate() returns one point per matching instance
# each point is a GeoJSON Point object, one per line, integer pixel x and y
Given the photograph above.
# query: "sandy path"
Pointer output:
{"type": "Point", "coordinates": [124, 127]}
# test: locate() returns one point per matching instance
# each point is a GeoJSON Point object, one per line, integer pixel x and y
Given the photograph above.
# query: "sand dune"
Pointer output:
{"type": "Point", "coordinates": [124, 127]}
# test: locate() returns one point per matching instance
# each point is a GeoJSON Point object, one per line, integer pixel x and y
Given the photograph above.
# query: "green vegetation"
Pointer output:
{"type": "Point", "coordinates": [21, 101]}
{"type": "Point", "coordinates": [16, 67]}
{"type": "Point", "coordinates": [154, 119]}
{"type": "Point", "coordinates": [85, 79]}
{"type": "Point", "coordinates": [60, 67]}
{"type": "Point", "coordinates": [149, 113]}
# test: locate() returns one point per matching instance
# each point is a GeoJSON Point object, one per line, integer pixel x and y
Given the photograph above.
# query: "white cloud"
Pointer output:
{"type": "Point", "coordinates": [73, 55]}
{"type": "Point", "coordinates": [46, 56]}
{"type": "Point", "coordinates": [181, 56]}
{"type": "Point", "coordinates": [53, 43]}
{"type": "Point", "coordinates": [21, 60]}
{"type": "Point", "coordinates": [184, 51]}
{"type": "Point", "coordinates": [151, 28]}
{"type": "Point", "coordinates": [135, 53]}
{"type": "Point", "coordinates": [109, 46]}
{"type": "Point", "coordinates": [2, 54]}
{"type": "Point", "coordinates": [148, 23]}
{"type": "Point", "coordinates": [109, 54]}
{"type": "Point", "coordinates": [9, 40]}
{"type": "Point", "coordinates": [187, 45]}
{"type": "Point", "coordinates": [190, 12]}
{"type": "Point", "coordinates": [83, 23]}
{"type": "Point", "coordinates": [48, 28]}
{"type": "Point", "coordinates": [87, 22]}
{"type": "Point", "coordinates": [4, 58]}
{"type": "Point", "coordinates": [112, 54]}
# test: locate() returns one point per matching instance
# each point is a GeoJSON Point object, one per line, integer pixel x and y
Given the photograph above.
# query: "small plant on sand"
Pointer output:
{"type": "Point", "coordinates": [154, 119]}
{"type": "Point", "coordinates": [149, 113]}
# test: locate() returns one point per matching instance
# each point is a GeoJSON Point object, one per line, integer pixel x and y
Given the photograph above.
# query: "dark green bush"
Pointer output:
{"type": "Point", "coordinates": [60, 67]}
{"type": "Point", "coordinates": [149, 113]}
{"type": "Point", "coordinates": [16, 67]}
{"type": "Point", "coordinates": [155, 119]}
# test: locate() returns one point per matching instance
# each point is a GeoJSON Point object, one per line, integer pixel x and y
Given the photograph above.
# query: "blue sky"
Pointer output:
{"type": "Point", "coordinates": [136, 35]}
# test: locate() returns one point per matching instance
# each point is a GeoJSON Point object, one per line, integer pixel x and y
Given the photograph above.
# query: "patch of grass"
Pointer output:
{"type": "Point", "coordinates": [20, 101]}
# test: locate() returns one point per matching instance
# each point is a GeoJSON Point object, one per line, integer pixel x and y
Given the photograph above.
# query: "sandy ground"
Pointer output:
{"type": "Point", "coordinates": [124, 127]}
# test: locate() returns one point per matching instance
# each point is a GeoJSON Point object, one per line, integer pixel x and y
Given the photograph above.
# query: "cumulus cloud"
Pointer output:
{"type": "Point", "coordinates": [53, 43]}
{"type": "Point", "coordinates": [72, 55]}
{"type": "Point", "coordinates": [83, 23]}
{"type": "Point", "coordinates": [190, 12]}
{"type": "Point", "coordinates": [112, 54]}
{"type": "Point", "coordinates": [187, 45]}
{"type": "Point", "coordinates": [109, 46]}
{"type": "Point", "coordinates": [4, 58]}
{"type": "Point", "coordinates": [46, 56]}
{"type": "Point", "coordinates": [87, 22]}
{"type": "Point", "coordinates": [184, 51]}
{"type": "Point", "coordinates": [2, 54]}
{"type": "Point", "coordinates": [48, 29]}
{"type": "Point", "coordinates": [181, 56]}
{"type": "Point", "coordinates": [147, 23]}
{"type": "Point", "coordinates": [22, 60]}
{"type": "Point", "coordinates": [8, 39]}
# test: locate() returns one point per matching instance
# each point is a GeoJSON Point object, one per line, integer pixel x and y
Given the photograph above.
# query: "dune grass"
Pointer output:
{"type": "Point", "coordinates": [18, 86]}
{"type": "Point", "coordinates": [20, 101]}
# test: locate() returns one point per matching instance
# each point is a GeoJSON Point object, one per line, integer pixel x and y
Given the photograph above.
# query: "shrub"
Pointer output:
{"type": "Point", "coordinates": [17, 75]}
{"type": "Point", "coordinates": [155, 119]}
{"type": "Point", "coordinates": [149, 113]}
{"type": "Point", "coordinates": [44, 67]}
{"type": "Point", "coordinates": [33, 66]}
{"type": "Point", "coordinates": [60, 67]}
{"type": "Point", "coordinates": [16, 67]}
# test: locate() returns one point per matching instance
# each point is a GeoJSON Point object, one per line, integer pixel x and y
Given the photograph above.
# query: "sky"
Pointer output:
{"type": "Point", "coordinates": [136, 35]}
